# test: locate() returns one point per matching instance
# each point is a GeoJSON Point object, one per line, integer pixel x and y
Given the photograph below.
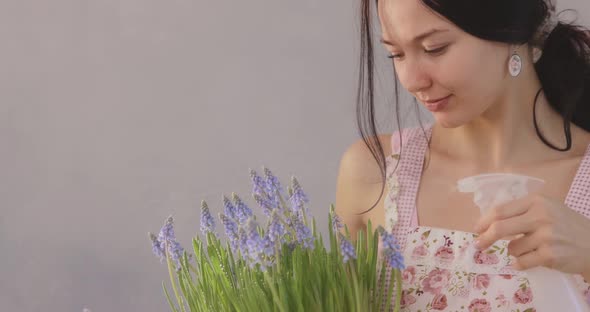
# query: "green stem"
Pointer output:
{"type": "Point", "coordinates": [275, 295]}
{"type": "Point", "coordinates": [356, 286]}
{"type": "Point", "coordinates": [172, 280]}
{"type": "Point", "coordinates": [192, 268]}
{"type": "Point", "coordinates": [304, 215]}
{"type": "Point", "coordinates": [398, 297]}
{"type": "Point", "coordinates": [277, 264]}
{"type": "Point", "coordinates": [283, 204]}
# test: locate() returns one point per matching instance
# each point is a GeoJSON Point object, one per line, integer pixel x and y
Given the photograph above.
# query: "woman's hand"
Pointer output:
{"type": "Point", "coordinates": [547, 233]}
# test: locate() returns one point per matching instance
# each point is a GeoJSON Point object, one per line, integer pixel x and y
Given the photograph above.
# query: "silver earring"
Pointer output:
{"type": "Point", "coordinates": [515, 64]}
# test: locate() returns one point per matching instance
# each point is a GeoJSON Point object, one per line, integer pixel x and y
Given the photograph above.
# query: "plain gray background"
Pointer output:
{"type": "Point", "coordinates": [115, 114]}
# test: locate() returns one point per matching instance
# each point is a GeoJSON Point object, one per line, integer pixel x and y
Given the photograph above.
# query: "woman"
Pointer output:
{"type": "Point", "coordinates": [509, 88]}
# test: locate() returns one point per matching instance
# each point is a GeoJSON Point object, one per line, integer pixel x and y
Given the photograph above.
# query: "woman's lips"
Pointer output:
{"type": "Point", "coordinates": [437, 105]}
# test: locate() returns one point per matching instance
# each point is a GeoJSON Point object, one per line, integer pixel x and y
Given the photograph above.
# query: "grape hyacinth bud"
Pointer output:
{"type": "Point", "coordinates": [207, 221]}
{"type": "Point", "coordinates": [231, 230]}
{"type": "Point", "coordinates": [254, 238]}
{"type": "Point", "coordinates": [261, 193]}
{"type": "Point", "coordinates": [175, 251]}
{"type": "Point", "coordinates": [276, 229]}
{"type": "Point", "coordinates": [228, 208]}
{"type": "Point", "coordinates": [167, 231]}
{"type": "Point", "coordinates": [346, 249]}
{"type": "Point", "coordinates": [274, 188]}
{"type": "Point", "coordinates": [264, 203]}
{"type": "Point", "coordinates": [336, 223]}
{"type": "Point", "coordinates": [269, 247]}
{"type": "Point", "coordinates": [272, 181]}
{"type": "Point", "coordinates": [303, 233]}
{"type": "Point", "coordinates": [254, 242]}
{"type": "Point", "coordinates": [391, 250]}
{"type": "Point", "coordinates": [168, 241]}
{"type": "Point", "coordinates": [243, 212]}
{"type": "Point", "coordinates": [156, 246]}
{"type": "Point", "coordinates": [258, 184]}
{"type": "Point", "coordinates": [298, 197]}
{"type": "Point", "coordinates": [243, 242]}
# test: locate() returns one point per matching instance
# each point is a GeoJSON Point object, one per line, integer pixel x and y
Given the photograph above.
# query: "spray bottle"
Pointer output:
{"type": "Point", "coordinates": [553, 290]}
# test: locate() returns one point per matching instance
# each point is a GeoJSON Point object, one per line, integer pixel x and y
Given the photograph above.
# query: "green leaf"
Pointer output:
{"type": "Point", "coordinates": [172, 306]}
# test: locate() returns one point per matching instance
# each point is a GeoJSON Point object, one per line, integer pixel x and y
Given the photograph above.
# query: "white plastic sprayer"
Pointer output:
{"type": "Point", "coordinates": [552, 289]}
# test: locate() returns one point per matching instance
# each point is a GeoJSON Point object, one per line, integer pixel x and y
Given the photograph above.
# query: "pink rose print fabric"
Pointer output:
{"type": "Point", "coordinates": [444, 272]}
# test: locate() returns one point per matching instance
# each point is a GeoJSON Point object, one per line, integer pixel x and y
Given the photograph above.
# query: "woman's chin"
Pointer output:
{"type": "Point", "coordinates": [447, 121]}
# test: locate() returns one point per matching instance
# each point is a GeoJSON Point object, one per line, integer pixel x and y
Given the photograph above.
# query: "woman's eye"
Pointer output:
{"type": "Point", "coordinates": [435, 51]}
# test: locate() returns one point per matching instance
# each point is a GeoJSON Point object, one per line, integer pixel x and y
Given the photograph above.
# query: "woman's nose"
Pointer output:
{"type": "Point", "coordinates": [414, 77]}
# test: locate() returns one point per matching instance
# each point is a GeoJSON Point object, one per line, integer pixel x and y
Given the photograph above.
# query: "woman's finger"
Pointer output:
{"type": "Point", "coordinates": [507, 210]}
{"type": "Point", "coordinates": [525, 244]}
{"type": "Point", "coordinates": [531, 259]}
{"type": "Point", "coordinates": [506, 228]}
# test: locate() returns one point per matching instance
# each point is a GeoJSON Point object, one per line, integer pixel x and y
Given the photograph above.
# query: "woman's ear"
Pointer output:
{"type": "Point", "coordinates": [537, 53]}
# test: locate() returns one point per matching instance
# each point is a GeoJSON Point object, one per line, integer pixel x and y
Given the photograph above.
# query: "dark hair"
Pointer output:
{"type": "Point", "coordinates": [563, 69]}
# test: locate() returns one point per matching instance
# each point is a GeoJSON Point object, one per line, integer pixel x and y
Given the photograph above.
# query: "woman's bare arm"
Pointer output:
{"type": "Point", "coordinates": [358, 185]}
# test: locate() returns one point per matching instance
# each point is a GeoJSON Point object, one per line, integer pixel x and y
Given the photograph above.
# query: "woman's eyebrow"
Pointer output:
{"type": "Point", "coordinates": [419, 37]}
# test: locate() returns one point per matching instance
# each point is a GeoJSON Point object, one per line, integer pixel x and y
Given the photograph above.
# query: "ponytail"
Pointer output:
{"type": "Point", "coordinates": [564, 71]}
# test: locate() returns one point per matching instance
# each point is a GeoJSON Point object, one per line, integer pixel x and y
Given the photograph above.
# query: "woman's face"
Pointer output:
{"type": "Point", "coordinates": [446, 62]}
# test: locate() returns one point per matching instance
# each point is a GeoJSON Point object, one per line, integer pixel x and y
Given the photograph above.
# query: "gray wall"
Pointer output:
{"type": "Point", "coordinates": [115, 114]}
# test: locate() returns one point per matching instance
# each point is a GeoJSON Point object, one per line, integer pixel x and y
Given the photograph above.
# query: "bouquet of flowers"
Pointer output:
{"type": "Point", "coordinates": [281, 265]}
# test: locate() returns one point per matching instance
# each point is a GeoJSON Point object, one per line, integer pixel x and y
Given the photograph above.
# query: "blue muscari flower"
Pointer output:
{"type": "Point", "coordinates": [346, 249]}
{"type": "Point", "coordinates": [276, 229]}
{"type": "Point", "coordinates": [167, 231]}
{"type": "Point", "coordinates": [264, 203]}
{"type": "Point", "coordinates": [175, 251]}
{"type": "Point", "coordinates": [207, 221]}
{"type": "Point", "coordinates": [156, 246]}
{"type": "Point", "coordinates": [231, 230]}
{"type": "Point", "coordinates": [228, 208]}
{"type": "Point", "coordinates": [255, 244]}
{"type": "Point", "coordinates": [394, 259]}
{"type": "Point", "coordinates": [243, 212]}
{"type": "Point", "coordinates": [258, 184]}
{"type": "Point", "coordinates": [272, 182]}
{"type": "Point", "coordinates": [261, 194]}
{"type": "Point", "coordinates": [391, 250]}
{"type": "Point", "coordinates": [274, 188]}
{"type": "Point", "coordinates": [303, 233]}
{"type": "Point", "coordinates": [243, 242]}
{"type": "Point", "coordinates": [269, 246]}
{"type": "Point", "coordinates": [298, 197]}
{"type": "Point", "coordinates": [336, 223]}
{"type": "Point", "coordinates": [168, 241]}
{"type": "Point", "coordinates": [254, 240]}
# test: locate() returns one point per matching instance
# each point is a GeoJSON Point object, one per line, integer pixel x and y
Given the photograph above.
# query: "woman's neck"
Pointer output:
{"type": "Point", "coordinates": [504, 136]}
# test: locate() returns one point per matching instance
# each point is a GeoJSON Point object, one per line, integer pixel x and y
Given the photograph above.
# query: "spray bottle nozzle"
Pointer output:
{"type": "Point", "coordinates": [495, 189]}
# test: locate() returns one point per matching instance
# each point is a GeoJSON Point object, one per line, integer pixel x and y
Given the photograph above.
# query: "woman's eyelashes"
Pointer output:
{"type": "Point", "coordinates": [433, 52]}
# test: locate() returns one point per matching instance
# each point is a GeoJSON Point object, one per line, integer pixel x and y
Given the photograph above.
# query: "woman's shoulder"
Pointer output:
{"type": "Point", "coordinates": [358, 153]}
{"type": "Point", "coordinates": [358, 165]}
{"type": "Point", "coordinates": [359, 182]}
{"type": "Point", "coordinates": [358, 162]}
